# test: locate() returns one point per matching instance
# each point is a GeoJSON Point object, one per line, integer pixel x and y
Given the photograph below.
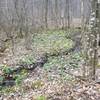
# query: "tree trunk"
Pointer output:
{"type": "Point", "coordinates": [46, 13]}
{"type": "Point", "coordinates": [92, 42]}
{"type": "Point", "coordinates": [68, 13]}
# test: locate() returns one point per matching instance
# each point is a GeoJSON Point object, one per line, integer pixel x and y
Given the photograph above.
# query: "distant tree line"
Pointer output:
{"type": "Point", "coordinates": [22, 17]}
{"type": "Point", "coordinates": [41, 13]}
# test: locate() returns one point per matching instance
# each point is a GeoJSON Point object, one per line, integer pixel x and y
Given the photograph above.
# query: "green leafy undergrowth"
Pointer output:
{"type": "Point", "coordinates": [51, 42]}
{"type": "Point", "coordinates": [28, 59]}
{"type": "Point", "coordinates": [37, 84]}
{"type": "Point", "coordinates": [7, 90]}
{"type": "Point", "coordinates": [5, 71]}
{"type": "Point", "coordinates": [41, 98]}
{"type": "Point", "coordinates": [17, 78]}
{"type": "Point", "coordinates": [64, 76]}
{"type": "Point", "coordinates": [61, 64]}
{"type": "Point", "coordinates": [1, 79]}
{"type": "Point", "coordinates": [69, 61]}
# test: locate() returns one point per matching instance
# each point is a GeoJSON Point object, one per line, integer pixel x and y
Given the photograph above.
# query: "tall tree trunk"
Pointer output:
{"type": "Point", "coordinates": [92, 42]}
{"type": "Point", "coordinates": [46, 13]}
{"type": "Point", "coordinates": [94, 32]}
{"type": "Point", "coordinates": [68, 13]}
{"type": "Point", "coordinates": [56, 13]}
{"type": "Point", "coordinates": [82, 14]}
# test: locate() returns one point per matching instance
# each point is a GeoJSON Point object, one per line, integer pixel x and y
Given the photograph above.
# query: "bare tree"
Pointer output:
{"type": "Point", "coordinates": [68, 13]}
{"type": "Point", "coordinates": [92, 42]}
{"type": "Point", "coordinates": [46, 13]}
{"type": "Point", "coordinates": [56, 13]}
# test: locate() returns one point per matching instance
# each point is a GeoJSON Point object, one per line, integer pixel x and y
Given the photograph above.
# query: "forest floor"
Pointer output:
{"type": "Point", "coordinates": [52, 81]}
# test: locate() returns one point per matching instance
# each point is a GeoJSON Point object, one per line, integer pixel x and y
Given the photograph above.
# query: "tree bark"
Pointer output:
{"type": "Point", "coordinates": [92, 42]}
{"type": "Point", "coordinates": [46, 13]}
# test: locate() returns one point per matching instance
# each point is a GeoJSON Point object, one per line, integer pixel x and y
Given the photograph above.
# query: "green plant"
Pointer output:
{"type": "Point", "coordinates": [0, 88]}
{"type": "Point", "coordinates": [23, 73]}
{"type": "Point", "coordinates": [37, 84]}
{"type": "Point", "coordinates": [52, 42]}
{"type": "Point", "coordinates": [1, 79]}
{"type": "Point", "coordinates": [18, 79]}
{"type": "Point", "coordinates": [7, 90]}
{"type": "Point", "coordinates": [41, 98]}
{"type": "Point", "coordinates": [6, 70]}
{"type": "Point", "coordinates": [27, 59]}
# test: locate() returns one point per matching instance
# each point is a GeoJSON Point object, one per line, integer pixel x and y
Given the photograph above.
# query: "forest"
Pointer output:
{"type": "Point", "coordinates": [49, 49]}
